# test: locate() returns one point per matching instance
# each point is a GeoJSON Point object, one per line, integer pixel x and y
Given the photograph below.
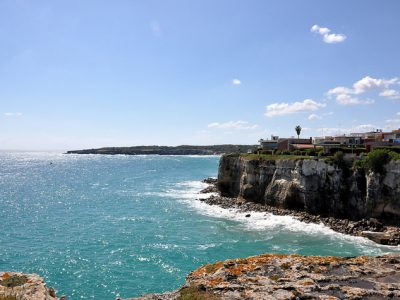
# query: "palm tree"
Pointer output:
{"type": "Point", "coordinates": [298, 130]}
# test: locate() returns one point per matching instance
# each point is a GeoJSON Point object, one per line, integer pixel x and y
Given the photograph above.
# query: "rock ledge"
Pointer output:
{"type": "Point", "coordinates": [280, 276]}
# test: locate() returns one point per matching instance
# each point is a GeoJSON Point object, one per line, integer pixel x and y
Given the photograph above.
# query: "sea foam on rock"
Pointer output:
{"type": "Point", "coordinates": [314, 190]}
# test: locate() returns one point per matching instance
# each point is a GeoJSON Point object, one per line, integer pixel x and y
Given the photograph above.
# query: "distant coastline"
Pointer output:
{"type": "Point", "coordinates": [168, 150]}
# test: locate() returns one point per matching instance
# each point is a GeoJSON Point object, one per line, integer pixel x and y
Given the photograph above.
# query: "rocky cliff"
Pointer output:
{"type": "Point", "coordinates": [19, 286]}
{"type": "Point", "coordinates": [313, 185]}
{"type": "Point", "coordinates": [278, 276]}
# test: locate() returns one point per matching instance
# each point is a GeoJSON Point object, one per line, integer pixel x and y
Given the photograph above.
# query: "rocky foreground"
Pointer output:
{"type": "Point", "coordinates": [278, 276]}
{"type": "Point", "coordinates": [19, 286]}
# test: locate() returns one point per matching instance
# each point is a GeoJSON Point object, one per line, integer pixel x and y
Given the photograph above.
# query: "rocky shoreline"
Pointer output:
{"type": "Point", "coordinates": [20, 286]}
{"type": "Point", "coordinates": [371, 228]}
{"type": "Point", "coordinates": [283, 276]}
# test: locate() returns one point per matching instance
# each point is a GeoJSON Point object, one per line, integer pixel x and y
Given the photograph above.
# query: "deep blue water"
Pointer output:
{"type": "Point", "coordinates": [98, 227]}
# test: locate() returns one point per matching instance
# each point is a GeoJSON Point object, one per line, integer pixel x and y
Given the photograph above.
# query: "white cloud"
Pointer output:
{"type": "Point", "coordinates": [233, 125]}
{"type": "Point", "coordinates": [328, 113]}
{"type": "Point", "coordinates": [314, 117]}
{"type": "Point", "coordinates": [280, 109]}
{"type": "Point", "coordinates": [345, 99]}
{"type": "Point", "coordinates": [236, 82]}
{"type": "Point", "coordinates": [340, 90]}
{"type": "Point", "coordinates": [320, 30]}
{"type": "Point", "coordinates": [13, 114]}
{"type": "Point", "coordinates": [328, 37]}
{"type": "Point", "coordinates": [338, 131]}
{"type": "Point", "coordinates": [334, 38]}
{"type": "Point", "coordinates": [398, 114]}
{"type": "Point", "coordinates": [369, 83]}
{"type": "Point", "coordinates": [365, 128]}
{"type": "Point", "coordinates": [155, 28]}
{"type": "Point", "coordinates": [391, 94]}
{"type": "Point", "coordinates": [344, 95]}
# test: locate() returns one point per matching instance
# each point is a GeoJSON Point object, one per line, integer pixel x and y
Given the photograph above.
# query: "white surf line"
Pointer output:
{"type": "Point", "coordinates": [261, 221]}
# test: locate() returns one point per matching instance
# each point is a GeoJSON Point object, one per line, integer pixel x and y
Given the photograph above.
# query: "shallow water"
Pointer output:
{"type": "Point", "coordinates": [98, 227]}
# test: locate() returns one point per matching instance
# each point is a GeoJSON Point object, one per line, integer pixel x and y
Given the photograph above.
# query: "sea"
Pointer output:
{"type": "Point", "coordinates": [108, 226]}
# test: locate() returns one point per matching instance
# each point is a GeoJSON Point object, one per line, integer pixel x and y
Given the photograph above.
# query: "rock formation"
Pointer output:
{"type": "Point", "coordinates": [313, 185]}
{"type": "Point", "coordinates": [279, 276]}
{"type": "Point", "coordinates": [19, 286]}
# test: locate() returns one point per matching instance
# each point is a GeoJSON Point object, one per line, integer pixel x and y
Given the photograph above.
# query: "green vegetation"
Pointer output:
{"type": "Point", "coordinates": [14, 280]}
{"type": "Point", "coordinates": [376, 160]}
{"type": "Point", "coordinates": [348, 150]}
{"type": "Point", "coordinates": [338, 158]}
{"type": "Point", "coordinates": [194, 293]}
{"type": "Point", "coordinates": [211, 268]}
{"type": "Point", "coordinates": [298, 130]}
{"type": "Point", "coordinates": [272, 157]}
{"type": "Point", "coordinates": [167, 150]}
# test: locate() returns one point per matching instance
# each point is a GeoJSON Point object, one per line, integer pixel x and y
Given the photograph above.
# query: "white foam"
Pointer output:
{"type": "Point", "coordinates": [261, 221]}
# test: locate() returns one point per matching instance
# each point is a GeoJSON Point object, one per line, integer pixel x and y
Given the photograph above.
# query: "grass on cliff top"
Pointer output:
{"type": "Point", "coordinates": [194, 293]}
{"type": "Point", "coordinates": [273, 157]}
{"type": "Point", "coordinates": [13, 281]}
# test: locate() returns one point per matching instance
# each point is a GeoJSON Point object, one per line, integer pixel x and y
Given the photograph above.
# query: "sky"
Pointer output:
{"type": "Point", "coordinates": [85, 74]}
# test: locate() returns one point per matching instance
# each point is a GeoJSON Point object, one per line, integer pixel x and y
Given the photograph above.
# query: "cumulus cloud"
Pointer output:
{"type": "Point", "coordinates": [314, 117]}
{"type": "Point", "coordinates": [330, 38]}
{"type": "Point", "coordinates": [12, 114]}
{"type": "Point", "coordinates": [280, 109]}
{"type": "Point", "coordinates": [349, 96]}
{"type": "Point", "coordinates": [236, 82]}
{"type": "Point", "coordinates": [237, 125]}
{"type": "Point", "coordinates": [345, 99]}
{"type": "Point", "coordinates": [369, 83]}
{"type": "Point", "coordinates": [389, 93]}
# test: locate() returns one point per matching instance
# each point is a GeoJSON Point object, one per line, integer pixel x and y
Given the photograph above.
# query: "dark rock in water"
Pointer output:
{"type": "Point", "coordinates": [378, 237]}
{"type": "Point", "coordinates": [209, 189]}
{"type": "Point", "coordinates": [210, 180]}
{"type": "Point", "coordinates": [248, 215]}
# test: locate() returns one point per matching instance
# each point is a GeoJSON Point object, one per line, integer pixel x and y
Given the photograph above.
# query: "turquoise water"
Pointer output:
{"type": "Point", "coordinates": [98, 227]}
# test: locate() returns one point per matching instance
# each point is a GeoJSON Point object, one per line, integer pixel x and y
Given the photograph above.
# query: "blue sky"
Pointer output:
{"type": "Point", "coordinates": [83, 74]}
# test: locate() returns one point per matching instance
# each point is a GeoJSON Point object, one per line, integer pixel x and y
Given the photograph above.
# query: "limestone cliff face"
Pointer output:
{"type": "Point", "coordinates": [312, 185]}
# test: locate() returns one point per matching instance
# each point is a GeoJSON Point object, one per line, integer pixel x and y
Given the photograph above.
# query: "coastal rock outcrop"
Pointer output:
{"type": "Point", "coordinates": [314, 186]}
{"type": "Point", "coordinates": [20, 286]}
{"type": "Point", "coordinates": [281, 276]}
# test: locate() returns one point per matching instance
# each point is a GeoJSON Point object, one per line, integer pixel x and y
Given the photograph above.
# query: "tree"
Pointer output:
{"type": "Point", "coordinates": [298, 130]}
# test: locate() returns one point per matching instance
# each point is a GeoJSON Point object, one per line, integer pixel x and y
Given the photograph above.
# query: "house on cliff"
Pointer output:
{"type": "Point", "coordinates": [290, 144]}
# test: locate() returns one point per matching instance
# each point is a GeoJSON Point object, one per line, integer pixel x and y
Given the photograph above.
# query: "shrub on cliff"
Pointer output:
{"type": "Point", "coordinates": [376, 160]}
{"type": "Point", "coordinates": [338, 158]}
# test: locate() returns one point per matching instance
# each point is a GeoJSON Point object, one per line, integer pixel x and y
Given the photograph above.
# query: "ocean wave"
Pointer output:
{"type": "Point", "coordinates": [262, 221]}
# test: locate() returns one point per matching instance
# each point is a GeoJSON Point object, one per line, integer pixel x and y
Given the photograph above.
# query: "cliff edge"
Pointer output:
{"type": "Point", "coordinates": [279, 276]}
{"type": "Point", "coordinates": [313, 185]}
{"type": "Point", "coordinates": [20, 286]}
